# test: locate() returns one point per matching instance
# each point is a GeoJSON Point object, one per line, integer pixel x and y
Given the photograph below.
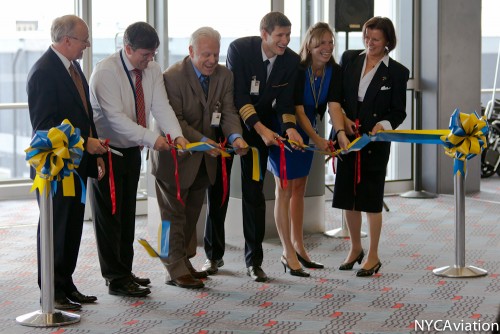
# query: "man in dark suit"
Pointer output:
{"type": "Point", "coordinates": [53, 96]}
{"type": "Point", "coordinates": [264, 71]}
{"type": "Point", "coordinates": [201, 94]}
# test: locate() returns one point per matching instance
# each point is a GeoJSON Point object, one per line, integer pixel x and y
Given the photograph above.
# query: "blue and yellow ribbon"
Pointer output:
{"type": "Point", "coordinates": [55, 154]}
{"type": "Point", "coordinates": [465, 139]}
{"type": "Point", "coordinates": [225, 152]}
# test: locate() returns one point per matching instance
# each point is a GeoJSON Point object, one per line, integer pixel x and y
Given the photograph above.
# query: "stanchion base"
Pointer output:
{"type": "Point", "coordinates": [341, 233]}
{"type": "Point", "coordinates": [456, 271]}
{"type": "Point", "coordinates": [39, 319]}
{"type": "Point", "coordinates": [418, 194]}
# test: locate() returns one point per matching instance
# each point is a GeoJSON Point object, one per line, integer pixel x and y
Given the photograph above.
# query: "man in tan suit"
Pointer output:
{"type": "Point", "coordinates": [201, 94]}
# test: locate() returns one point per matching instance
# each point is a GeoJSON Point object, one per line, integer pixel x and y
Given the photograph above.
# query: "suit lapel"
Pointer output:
{"type": "Point", "coordinates": [379, 79]}
{"type": "Point", "coordinates": [212, 87]}
{"type": "Point", "coordinates": [194, 82]}
{"type": "Point", "coordinates": [358, 67]}
{"type": "Point", "coordinates": [84, 83]}
{"type": "Point", "coordinates": [66, 78]}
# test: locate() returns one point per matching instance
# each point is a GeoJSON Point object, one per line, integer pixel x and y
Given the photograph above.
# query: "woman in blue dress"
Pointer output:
{"type": "Point", "coordinates": [318, 85]}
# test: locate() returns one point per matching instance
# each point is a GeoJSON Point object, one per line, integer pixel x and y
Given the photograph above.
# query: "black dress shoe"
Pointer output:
{"type": "Point", "coordinates": [141, 281]}
{"type": "Point", "coordinates": [294, 272]}
{"type": "Point", "coordinates": [309, 264]}
{"type": "Point", "coordinates": [128, 288]}
{"type": "Point", "coordinates": [369, 272]}
{"type": "Point", "coordinates": [256, 273]}
{"type": "Point", "coordinates": [198, 274]}
{"type": "Point", "coordinates": [186, 281]}
{"type": "Point", "coordinates": [349, 265]}
{"type": "Point", "coordinates": [77, 297]}
{"type": "Point", "coordinates": [212, 266]}
{"type": "Point", "coordinates": [64, 304]}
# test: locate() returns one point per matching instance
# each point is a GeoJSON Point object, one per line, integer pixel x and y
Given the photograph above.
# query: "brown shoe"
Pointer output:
{"type": "Point", "coordinates": [187, 282]}
{"type": "Point", "coordinates": [198, 274]}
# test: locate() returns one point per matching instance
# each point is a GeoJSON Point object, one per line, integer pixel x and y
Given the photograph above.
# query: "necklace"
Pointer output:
{"type": "Point", "coordinates": [370, 63]}
{"type": "Point", "coordinates": [313, 85]}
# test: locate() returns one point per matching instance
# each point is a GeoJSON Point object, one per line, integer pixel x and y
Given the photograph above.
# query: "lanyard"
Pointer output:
{"type": "Point", "coordinates": [313, 85]}
{"type": "Point", "coordinates": [130, 81]}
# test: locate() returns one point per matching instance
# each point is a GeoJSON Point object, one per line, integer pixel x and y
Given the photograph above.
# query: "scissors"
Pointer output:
{"type": "Point", "coordinates": [115, 151]}
{"type": "Point", "coordinates": [276, 137]}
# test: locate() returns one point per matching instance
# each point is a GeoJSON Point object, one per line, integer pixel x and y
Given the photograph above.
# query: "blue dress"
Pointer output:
{"type": "Point", "coordinates": [298, 163]}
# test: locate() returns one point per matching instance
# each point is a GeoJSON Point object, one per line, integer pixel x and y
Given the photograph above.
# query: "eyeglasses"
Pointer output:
{"type": "Point", "coordinates": [147, 55]}
{"type": "Point", "coordinates": [86, 42]}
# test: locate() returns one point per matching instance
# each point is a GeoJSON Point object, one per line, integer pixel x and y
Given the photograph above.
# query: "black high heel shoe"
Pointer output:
{"type": "Point", "coordinates": [349, 265]}
{"type": "Point", "coordinates": [309, 264]}
{"type": "Point", "coordinates": [369, 272]}
{"type": "Point", "coordinates": [294, 272]}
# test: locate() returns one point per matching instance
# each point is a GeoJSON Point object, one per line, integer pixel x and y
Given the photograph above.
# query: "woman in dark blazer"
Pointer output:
{"type": "Point", "coordinates": [374, 88]}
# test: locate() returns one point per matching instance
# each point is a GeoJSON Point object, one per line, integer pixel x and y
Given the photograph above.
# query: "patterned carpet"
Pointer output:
{"type": "Point", "coordinates": [418, 236]}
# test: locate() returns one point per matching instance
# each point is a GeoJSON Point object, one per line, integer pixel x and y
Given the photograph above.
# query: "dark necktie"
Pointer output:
{"type": "Point", "coordinates": [204, 80]}
{"type": "Point", "coordinates": [266, 64]}
{"type": "Point", "coordinates": [139, 98]}
{"type": "Point", "coordinates": [79, 85]}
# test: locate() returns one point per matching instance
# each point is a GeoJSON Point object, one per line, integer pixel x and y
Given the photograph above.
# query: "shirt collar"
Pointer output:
{"type": "Point", "coordinates": [264, 57]}
{"type": "Point", "coordinates": [198, 73]}
{"type": "Point", "coordinates": [130, 67]}
{"type": "Point", "coordinates": [385, 58]}
{"type": "Point", "coordinates": [65, 60]}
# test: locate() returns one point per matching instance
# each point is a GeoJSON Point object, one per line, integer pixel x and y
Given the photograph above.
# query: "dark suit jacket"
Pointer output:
{"type": "Point", "coordinates": [53, 97]}
{"type": "Point", "coordinates": [194, 113]}
{"type": "Point", "coordinates": [244, 59]}
{"type": "Point", "coordinates": [385, 99]}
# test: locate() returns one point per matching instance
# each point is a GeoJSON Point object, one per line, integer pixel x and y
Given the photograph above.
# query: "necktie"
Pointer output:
{"type": "Point", "coordinates": [139, 98]}
{"type": "Point", "coordinates": [79, 85]}
{"type": "Point", "coordinates": [266, 68]}
{"type": "Point", "coordinates": [204, 80]}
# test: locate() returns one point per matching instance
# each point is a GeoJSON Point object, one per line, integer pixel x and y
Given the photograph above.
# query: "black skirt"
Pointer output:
{"type": "Point", "coordinates": [366, 196]}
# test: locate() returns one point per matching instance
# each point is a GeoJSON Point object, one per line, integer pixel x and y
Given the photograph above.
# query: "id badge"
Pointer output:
{"type": "Point", "coordinates": [215, 119]}
{"type": "Point", "coordinates": [254, 86]}
{"type": "Point", "coordinates": [216, 116]}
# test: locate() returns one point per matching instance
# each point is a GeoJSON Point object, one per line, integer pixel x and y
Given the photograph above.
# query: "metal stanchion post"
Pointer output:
{"type": "Point", "coordinates": [343, 231]}
{"type": "Point", "coordinates": [46, 317]}
{"type": "Point", "coordinates": [459, 269]}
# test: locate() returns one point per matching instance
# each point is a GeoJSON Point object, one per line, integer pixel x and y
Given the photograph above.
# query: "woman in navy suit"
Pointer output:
{"type": "Point", "coordinates": [374, 99]}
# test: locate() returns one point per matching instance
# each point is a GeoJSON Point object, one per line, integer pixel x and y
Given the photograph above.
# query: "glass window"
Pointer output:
{"type": "Point", "coordinates": [24, 36]}
{"type": "Point", "coordinates": [183, 20]}
{"type": "Point", "coordinates": [292, 11]}
{"type": "Point", "coordinates": [490, 48]}
{"type": "Point", "coordinates": [108, 24]}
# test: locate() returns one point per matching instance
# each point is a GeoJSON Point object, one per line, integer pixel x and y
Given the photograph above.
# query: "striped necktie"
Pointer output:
{"type": "Point", "coordinates": [139, 98]}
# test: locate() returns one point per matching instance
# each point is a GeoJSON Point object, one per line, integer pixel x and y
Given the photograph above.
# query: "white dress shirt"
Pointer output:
{"type": "Point", "coordinates": [365, 81]}
{"type": "Point", "coordinates": [113, 103]}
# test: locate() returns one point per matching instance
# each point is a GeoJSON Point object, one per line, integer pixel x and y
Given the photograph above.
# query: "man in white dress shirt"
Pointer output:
{"type": "Point", "coordinates": [126, 88]}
